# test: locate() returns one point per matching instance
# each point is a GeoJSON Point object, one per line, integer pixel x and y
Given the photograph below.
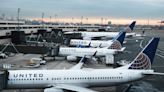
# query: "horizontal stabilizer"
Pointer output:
{"type": "Point", "coordinates": [154, 73]}
{"type": "Point", "coordinates": [122, 49]}
{"type": "Point", "coordinates": [73, 88]}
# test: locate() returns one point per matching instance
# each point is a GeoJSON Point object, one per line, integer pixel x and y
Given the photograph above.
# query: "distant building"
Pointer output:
{"type": "Point", "coordinates": [109, 22]}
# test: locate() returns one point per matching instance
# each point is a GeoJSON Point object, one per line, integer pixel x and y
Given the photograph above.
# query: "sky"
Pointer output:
{"type": "Point", "coordinates": [113, 9]}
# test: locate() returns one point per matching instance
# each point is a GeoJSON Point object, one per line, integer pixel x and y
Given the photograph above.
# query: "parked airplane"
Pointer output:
{"type": "Point", "coordinates": [73, 53]}
{"type": "Point", "coordinates": [38, 60]}
{"type": "Point", "coordinates": [92, 43]}
{"type": "Point", "coordinates": [90, 35]}
{"type": "Point", "coordinates": [3, 55]}
{"type": "Point", "coordinates": [77, 79]}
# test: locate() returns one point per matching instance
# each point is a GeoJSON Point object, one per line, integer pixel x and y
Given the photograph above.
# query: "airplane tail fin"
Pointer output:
{"type": "Point", "coordinates": [145, 58]}
{"type": "Point", "coordinates": [118, 41]}
{"type": "Point", "coordinates": [130, 27]}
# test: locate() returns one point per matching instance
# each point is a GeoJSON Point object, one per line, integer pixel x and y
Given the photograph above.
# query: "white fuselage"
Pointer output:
{"type": "Point", "coordinates": [89, 35]}
{"type": "Point", "coordinates": [101, 34]}
{"type": "Point", "coordinates": [66, 51]}
{"type": "Point", "coordinates": [83, 77]}
{"type": "Point", "coordinates": [93, 43]}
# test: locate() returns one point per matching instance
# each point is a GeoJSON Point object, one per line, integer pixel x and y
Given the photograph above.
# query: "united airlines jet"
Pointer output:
{"type": "Point", "coordinates": [77, 79]}
{"type": "Point", "coordinates": [73, 53]}
{"type": "Point", "coordinates": [92, 43]}
{"type": "Point", "coordinates": [90, 35]}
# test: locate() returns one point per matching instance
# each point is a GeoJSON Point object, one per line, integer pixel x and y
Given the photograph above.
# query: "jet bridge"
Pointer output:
{"type": "Point", "coordinates": [3, 79]}
{"type": "Point", "coordinates": [32, 49]}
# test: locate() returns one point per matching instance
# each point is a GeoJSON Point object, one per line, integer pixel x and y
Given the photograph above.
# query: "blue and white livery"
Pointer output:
{"type": "Point", "coordinates": [77, 79]}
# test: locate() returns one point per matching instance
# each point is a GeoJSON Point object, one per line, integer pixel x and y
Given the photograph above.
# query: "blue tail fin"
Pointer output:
{"type": "Point", "coordinates": [131, 27]}
{"type": "Point", "coordinates": [146, 56]}
{"type": "Point", "coordinates": [121, 37]}
{"type": "Point", "coordinates": [118, 41]}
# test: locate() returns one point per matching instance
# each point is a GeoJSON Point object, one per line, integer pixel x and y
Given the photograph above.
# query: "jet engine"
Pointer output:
{"type": "Point", "coordinates": [71, 58]}
{"type": "Point", "coordinates": [53, 90]}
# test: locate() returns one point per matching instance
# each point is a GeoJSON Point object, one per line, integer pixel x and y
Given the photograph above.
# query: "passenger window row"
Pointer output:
{"type": "Point", "coordinates": [75, 78]}
{"type": "Point", "coordinates": [27, 79]}
{"type": "Point", "coordinates": [84, 78]}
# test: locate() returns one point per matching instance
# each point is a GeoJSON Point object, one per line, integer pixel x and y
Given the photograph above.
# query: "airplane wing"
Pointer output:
{"type": "Point", "coordinates": [87, 56]}
{"type": "Point", "coordinates": [97, 37]}
{"type": "Point", "coordinates": [80, 64]}
{"type": "Point", "coordinates": [93, 37]}
{"type": "Point", "coordinates": [151, 72]}
{"type": "Point", "coordinates": [73, 88]}
{"type": "Point", "coordinates": [82, 61]}
{"type": "Point", "coordinates": [70, 32]}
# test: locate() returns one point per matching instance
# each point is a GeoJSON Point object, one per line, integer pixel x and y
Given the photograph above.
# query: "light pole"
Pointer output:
{"type": "Point", "coordinates": [18, 19]}
{"type": "Point", "coordinates": [81, 20]}
{"type": "Point", "coordinates": [72, 20]}
{"type": "Point", "coordinates": [101, 21]}
{"type": "Point", "coordinates": [86, 20]}
{"type": "Point", "coordinates": [50, 20]}
{"type": "Point", "coordinates": [56, 18]}
{"type": "Point", "coordinates": [42, 19]}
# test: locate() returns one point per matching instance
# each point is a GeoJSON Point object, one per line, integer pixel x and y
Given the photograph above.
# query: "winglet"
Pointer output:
{"type": "Point", "coordinates": [95, 53]}
{"type": "Point", "coordinates": [83, 60]}
{"type": "Point", "coordinates": [89, 45]}
{"type": "Point", "coordinates": [100, 45]}
{"type": "Point", "coordinates": [80, 64]}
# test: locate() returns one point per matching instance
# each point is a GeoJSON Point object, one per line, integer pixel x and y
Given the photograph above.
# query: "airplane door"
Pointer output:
{"type": "Point", "coordinates": [129, 77]}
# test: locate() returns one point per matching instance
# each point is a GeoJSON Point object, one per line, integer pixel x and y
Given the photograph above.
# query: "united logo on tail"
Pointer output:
{"type": "Point", "coordinates": [116, 45]}
{"type": "Point", "coordinates": [145, 58]}
{"type": "Point", "coordinates": [130, 27]}
{"type": "Point", "coordinates": [118, 41]}
{"type": "Point", "coordinates": [141, 62]}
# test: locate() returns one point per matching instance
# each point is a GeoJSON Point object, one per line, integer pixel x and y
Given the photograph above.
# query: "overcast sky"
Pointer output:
{"type": "Point", "coordinates": [88, 8]}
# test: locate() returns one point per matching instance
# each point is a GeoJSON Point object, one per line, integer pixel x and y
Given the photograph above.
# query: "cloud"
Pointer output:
{"type": "Point", "coordinates": [71, 8]}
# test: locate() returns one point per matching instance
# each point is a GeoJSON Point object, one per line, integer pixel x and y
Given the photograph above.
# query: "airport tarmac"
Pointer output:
{"type": "Point", "coordinates": [150, 84]}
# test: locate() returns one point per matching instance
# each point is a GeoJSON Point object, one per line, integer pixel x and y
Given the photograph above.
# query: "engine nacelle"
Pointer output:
{"type": "Point", "coordinates": [71, 58]}
{"type": "Point", "coordinates": [53, 90]}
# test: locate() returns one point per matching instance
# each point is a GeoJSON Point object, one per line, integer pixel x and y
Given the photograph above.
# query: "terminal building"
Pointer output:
{"type": "Point", "coordinates": [7, 26]}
